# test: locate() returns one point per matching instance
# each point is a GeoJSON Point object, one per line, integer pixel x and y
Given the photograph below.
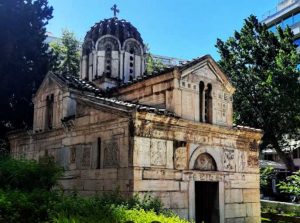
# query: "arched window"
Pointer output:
{"type": "Point", "coordinates": [108, 59]}
{"type": "Point", "coordinates": [201, 92]}
{"type": "Point", "coordinates": [131, 63]}
{"type": "Point", "coordinates": [208, 104]}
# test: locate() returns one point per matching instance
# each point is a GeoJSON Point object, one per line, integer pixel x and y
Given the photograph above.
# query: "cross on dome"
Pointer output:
{"type": "Point", "coordinates": [115, 10]}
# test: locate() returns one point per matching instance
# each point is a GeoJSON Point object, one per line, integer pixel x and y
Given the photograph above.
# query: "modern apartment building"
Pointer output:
{"type": "Point", "coordinates": [286, 13]}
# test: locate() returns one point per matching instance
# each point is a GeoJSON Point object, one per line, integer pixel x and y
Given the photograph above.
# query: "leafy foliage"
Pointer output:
{"type": "Point", "coordinates": [66, 53]}
{"type": "Point", "coordinates": [27, 194]}
{"type": "Point", "coordinates": [122, 215]}
{"type": "Point", "coordinates": [152, 65]}
{"type": "Point", "coordinates": [23, 207]}
{"type": "Point", "coordinates": [292, 185]}
{"type": "Point", "coordinates": [24, 59]}
{"type": "Point", "coordinates": [28, 175]}
{"type": "Point", "coordinates": [263, 67]}
{"type": "Point", "coordinates": [266, 175]}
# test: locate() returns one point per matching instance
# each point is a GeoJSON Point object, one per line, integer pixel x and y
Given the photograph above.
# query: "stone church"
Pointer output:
{"type": "Point", "coordinates": [169, 132]}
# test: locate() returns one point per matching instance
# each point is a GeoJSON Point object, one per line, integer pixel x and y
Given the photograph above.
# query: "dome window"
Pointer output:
{"type": "Point", "coordinates": [108, 59]}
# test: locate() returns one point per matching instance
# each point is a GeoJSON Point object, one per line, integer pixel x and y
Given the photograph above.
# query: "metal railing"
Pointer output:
{"type": "Point", "coordinates": [280, 6]}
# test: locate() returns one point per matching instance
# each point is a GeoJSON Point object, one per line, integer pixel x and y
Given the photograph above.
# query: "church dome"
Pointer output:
{"type": "Point", "coordinates": [121, 29]}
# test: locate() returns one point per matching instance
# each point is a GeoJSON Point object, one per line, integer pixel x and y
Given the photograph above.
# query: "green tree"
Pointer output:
{"type": "Point", "coordinates": [263, 67]}
{"type": "Point", "coordinates": [292, 185]}
{"type": "Point", "coordinates": [152, 64]}
{"type": "Point", "coordinates": [24, 59]}
{"type": "Point", "coordinates": [66, 53]}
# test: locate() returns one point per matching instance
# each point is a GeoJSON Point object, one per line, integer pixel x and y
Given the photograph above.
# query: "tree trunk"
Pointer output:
{"type": "Point", "coordinates": [288, 161]}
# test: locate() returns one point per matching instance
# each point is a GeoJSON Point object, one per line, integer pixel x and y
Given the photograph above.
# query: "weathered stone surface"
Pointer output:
{"type": "Point", "coordinates": [180, 158]}
{"type": "Point", "coordinates": [156, 185]}
{"type": "Point", "coordinates": [235, 210]}
{"type": "Point", "coordinates": [235, 220]}
{"type": "Point", "coordinates": [253, 209]}
{"type": "Point", "coordinates": [234, 196]}
{"type": "Point", "coordinates": [251, 195]}
{"type": "Point", "coordinates": [179, 200]}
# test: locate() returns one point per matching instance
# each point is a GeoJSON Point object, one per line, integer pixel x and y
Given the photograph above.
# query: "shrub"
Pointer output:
{"type": "Point", "coordinates": [24, 207]}
{"type": "Point", "coordinates": [121, 215]}
{"type": "Point", "coordinates": [291, 186]}
{"type": "Point", "coordinates": [28, 175]}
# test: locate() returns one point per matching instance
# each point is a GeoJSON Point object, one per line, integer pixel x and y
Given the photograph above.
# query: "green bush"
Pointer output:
{"type": "Point", "coordinates": [103, 207]}
{"type": "Point", "coordinates": [27, 195]}
{"type": "Point", "coordinates": [120, 214]}
{"type": "Point", "coordinates": [28, 175]}
{"type": "Point", "coordinates": [291, 185]}
{"type": "Point", "coordinates": [24, 207]}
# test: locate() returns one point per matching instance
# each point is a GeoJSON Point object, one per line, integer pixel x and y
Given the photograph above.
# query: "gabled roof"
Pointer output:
{"type": "Point", "coordinates": [89, 91]}
{"type": "Point", "coordinates": [207, 59]}
{"type": "Point", "coordinates": [185, 66]}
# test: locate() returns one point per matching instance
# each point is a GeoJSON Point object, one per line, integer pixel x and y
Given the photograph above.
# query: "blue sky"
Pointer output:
{"type": "Point", "coordinates": [178, 28]}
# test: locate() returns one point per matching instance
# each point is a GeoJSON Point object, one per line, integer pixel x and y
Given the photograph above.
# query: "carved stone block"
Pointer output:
{"type": "Point", "coordinates": [252, 161]}
{"type": "Point", "coordinates": [111, 150]}
{"type": "Point", "coordinates": [253, 146]}
{"type": "Point", "coordinates": [73, 155]}
{"type": "Point", "coordinates": [229, 161]}
{"type": "Point", "coordinates": [158, 152]}
{"type": "Point", "coordinates": [180, 158]}
{"type": "Point", "coordinates": [86, 156]}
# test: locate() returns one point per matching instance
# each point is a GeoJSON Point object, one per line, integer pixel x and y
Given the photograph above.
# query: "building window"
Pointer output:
{"type": "Point", "coordinates": [98, 153]}
{"type": "Point", "coordinates": [108, 59]}
{"type": "Point", "coordinates": [49, 111]}
{"type": "Point", "coordinates": [208, 104]}
{"type": "Point", "coordinates": [201, 107]}
{"type": "Point", "coordinates": [131, 63]}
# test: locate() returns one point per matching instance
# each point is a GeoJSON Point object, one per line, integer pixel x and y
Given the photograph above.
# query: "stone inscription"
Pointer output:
{"type": "Point", "coordinates": [203, 177]}
{"type": "Point", "coordinates": [158, 152]}
{"type": "Point", "coordinates": [205, 162]}
{"type": "Point", "coordinates": [229, 159]}
{"type": "Point", "coordinates": [180, 158]}
{"type": "Point", "coordinates": [110, 154]}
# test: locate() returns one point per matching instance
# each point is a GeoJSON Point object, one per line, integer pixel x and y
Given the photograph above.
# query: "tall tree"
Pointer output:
{"type": "Point", "coordinates": [24, 58]}
{"type": "Point", "coordinates": [66, 52]}
{"type": "Point", "coordinates": [263, 67]}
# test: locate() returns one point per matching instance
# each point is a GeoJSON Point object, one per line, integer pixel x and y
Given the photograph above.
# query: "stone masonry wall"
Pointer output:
{"type": "Point", "coordinates": [165, 150]}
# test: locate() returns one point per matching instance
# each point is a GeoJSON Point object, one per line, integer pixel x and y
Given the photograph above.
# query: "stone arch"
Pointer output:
{"type": "Point", "coordinates": [132, 44]}
{"type": "Point", "coordinates": [214, 153]}
{"type": "Point", "coordinates": [205, 162]}
{"type": "Point", "coordinates": [108, 41]}
{"type": "Point", "coordinates": [87, 47]}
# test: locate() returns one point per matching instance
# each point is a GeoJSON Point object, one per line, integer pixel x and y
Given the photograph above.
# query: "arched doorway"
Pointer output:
{"type": "Point", "coordinates": [206, 193]}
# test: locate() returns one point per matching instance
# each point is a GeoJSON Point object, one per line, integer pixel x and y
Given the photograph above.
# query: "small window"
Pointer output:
{"type": "Point", "coordinates": [49, 111]}
{"type": "Point", "coordinates": [98, 153]}
{"type": "Point", "coordinates": [201, 101]}
{"type": "Point", "coordinates": [208, 104]}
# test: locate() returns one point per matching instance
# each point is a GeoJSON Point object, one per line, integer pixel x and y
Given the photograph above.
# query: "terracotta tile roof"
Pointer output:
{"type": "Point", "coordinates": [91, 91]}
